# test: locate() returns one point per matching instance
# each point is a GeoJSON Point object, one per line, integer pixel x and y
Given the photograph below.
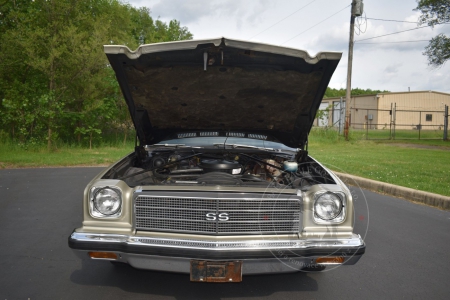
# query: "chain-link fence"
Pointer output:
{"type": "Point", "coordinates": [372, 123]}
{"type": "Point", "coordinates": [420, 124]}
{"type": "Point", "coordinates": [391, 123]}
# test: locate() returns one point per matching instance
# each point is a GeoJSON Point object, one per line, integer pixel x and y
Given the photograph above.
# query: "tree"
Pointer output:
{"type": "Point", "coordinates": [54, 46]}
{"type": "Point", "coordinates": [435, 12]}
{"type": "Point", "coordinates": [322, 114]}
{"type": "Point", "coordinates": [144, 30]}
{"type": "Point", "coordinates": [55, 80]}
{"type": "Point", "coordinates": [332, 93]}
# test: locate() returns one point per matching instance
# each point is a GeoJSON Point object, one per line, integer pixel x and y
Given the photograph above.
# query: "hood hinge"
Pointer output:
{"type": "Point", "coordinates": [302, 154]}
{"type": "Point", "coordinates": [141, 154]}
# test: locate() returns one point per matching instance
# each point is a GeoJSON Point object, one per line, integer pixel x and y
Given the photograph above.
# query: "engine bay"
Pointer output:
{"type": "Point", "coordinates": [230, 167]}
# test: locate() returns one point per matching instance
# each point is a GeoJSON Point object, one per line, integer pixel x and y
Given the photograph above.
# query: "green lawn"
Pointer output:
{"type": "Point", "coordinates": [16, 157]}
{"type": "Point", "coordinates": [398, 134]}
{"type": "Point", "coordinates": [424, 165]}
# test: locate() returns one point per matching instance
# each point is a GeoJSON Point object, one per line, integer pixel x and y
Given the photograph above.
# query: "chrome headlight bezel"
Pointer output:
{"type": "Point", "coordinates": [340, 215]}
{"type": "Point", "coordinates": [94, 211]}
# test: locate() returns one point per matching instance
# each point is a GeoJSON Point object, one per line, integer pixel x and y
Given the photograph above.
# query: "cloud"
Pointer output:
{"type": "Point", "coordinates": [335, 39]}
{"type": "Point", "coordinates": [185, 11]}
{"type": "Point", "coordinates": [194, 11]}
{"type": "Point", "coordinates": [392, 70]}
{"type": "Point", "coordinates": [436, 79]}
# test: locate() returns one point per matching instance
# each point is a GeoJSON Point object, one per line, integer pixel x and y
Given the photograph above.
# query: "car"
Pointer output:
{"type": "Point", "coordinates": [220, 183]}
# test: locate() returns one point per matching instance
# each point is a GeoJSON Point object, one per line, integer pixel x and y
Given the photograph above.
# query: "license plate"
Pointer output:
{"type": "Point", "coordinates": [216, 271]}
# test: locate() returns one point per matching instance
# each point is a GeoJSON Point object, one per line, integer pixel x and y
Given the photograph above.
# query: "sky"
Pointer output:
{"type": "Point", "coordinates": [394, 62]}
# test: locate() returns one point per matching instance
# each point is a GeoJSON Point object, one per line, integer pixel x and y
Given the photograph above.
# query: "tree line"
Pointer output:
{"type": "Point", "coordinates": [55, 81]}
{"type": "Point", "coordinates": [331, 92]}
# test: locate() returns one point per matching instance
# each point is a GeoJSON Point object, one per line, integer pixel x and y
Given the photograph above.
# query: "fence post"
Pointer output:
{"type": "Point", "coordinates": [395, 116]}
{"type": "Point", "coordinates": [341, 128]}
{"type": "Point", "coordinates": [390, 123]}
{"type": "Point", "coordinates": [420, 122]}
{"type": "Point", "coordinates": [445, 122]}
{"type": "Point", "coordinates": [367, 125]}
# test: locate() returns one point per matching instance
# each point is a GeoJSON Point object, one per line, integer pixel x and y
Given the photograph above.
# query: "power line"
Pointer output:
{"type": "Point", "coordinates": [375, 37]}
{"type": "Point", "coordinates": [397, 42]}
{"type": "Point", "coordinates": [283, 19]}
{"type": "Point", "coordinates": [391, 20]}
{"type": "Point", "coordinates": [359, 22]}
{"type": "Point", "coordinates": [315, 25]}
{"type": "Point", "coordinates": [401, 31]}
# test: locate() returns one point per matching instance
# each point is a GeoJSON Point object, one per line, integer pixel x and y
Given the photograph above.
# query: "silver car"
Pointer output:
{"type": "Point", "coordinates": [220, 183]}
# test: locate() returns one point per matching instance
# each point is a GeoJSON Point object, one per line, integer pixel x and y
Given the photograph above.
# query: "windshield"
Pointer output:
{"type": "Point", "coordinates": [210, 141]}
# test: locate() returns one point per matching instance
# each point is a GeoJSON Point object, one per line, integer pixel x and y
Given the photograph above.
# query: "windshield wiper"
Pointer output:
{"type": "Point", "coordinates": [243, 146]}
{"type": "Point", "coordinates": [176, 146]}
{"type": "Point", "coordinates": [170, 145]}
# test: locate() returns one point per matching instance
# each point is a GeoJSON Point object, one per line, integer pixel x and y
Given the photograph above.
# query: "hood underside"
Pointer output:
{"type": "Point", "coordinates": [222, 86]}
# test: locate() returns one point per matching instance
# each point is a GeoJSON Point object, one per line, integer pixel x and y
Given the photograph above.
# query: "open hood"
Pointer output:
{"type": "Point", "coordinates": [222, 87]}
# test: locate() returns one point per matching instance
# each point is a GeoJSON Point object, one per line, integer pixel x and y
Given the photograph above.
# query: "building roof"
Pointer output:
{"type": "Point", "coordinates": [390, 93]}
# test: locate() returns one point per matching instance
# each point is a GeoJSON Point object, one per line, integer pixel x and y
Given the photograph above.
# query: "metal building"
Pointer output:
{"type": "Point", "coordinates": [420, 110]}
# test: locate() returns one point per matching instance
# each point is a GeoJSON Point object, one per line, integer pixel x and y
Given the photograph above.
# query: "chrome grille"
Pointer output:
{"type": "Point", "coordinates": [247, 213]}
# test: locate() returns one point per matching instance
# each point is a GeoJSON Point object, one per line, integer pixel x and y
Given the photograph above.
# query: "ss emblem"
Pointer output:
{"type": "Point", "coordinates": [214, 216]}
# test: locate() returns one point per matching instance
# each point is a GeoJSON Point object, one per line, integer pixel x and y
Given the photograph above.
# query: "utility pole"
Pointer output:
{"type": "Point", "coordinates": [356, 11]}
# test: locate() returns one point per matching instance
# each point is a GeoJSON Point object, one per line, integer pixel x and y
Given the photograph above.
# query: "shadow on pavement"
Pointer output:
{"type": "Point", "coordinates": [101, 273]}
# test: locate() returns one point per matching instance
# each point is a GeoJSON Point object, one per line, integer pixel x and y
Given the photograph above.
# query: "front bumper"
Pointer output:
{"type": "Point", "coordinates": [258, 256]}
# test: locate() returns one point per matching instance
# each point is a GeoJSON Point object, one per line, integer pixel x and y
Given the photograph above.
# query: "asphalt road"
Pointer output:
{"type": "Point", "coordinates": [407, 256]}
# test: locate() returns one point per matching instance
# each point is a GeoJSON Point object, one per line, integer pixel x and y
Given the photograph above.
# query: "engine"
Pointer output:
{"type": "Point", "coordinates": [219, 167]}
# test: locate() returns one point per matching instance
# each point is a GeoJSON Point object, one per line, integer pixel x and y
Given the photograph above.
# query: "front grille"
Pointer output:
{"type": "Point", "coordinates": [218, 213]}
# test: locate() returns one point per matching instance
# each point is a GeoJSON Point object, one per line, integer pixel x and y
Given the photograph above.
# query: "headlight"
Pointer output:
{"type": "Point", "coordinates": [329, 206]}
{"type": "Point", "coordinates": [106, 202]}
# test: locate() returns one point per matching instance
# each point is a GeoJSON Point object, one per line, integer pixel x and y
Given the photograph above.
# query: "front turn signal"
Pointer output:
{"type": "Point", "coordinates": [330, 260]}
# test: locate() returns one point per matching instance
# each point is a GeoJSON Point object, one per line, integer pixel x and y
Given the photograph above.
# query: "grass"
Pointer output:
{"type": "Point", "coordinates": [417, 164]}
{"type": "Point", "coordinates": [399, 134]}
{"type": "Point", "coordinates": [18, 157]}
{"type": "Point", "coordinates": [423, 165]}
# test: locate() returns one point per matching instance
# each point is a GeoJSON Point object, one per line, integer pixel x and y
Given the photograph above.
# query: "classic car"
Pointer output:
{"type": "Point", "coordinates": [220, 183]}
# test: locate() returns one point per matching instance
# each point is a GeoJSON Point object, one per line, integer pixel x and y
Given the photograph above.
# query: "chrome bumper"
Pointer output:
{"type": "Point", "coordinates": [258, 256]}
